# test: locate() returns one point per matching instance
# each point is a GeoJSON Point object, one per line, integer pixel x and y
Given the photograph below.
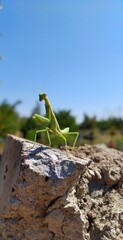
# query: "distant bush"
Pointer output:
{"type": "Point", "coordinates": [9, 119]}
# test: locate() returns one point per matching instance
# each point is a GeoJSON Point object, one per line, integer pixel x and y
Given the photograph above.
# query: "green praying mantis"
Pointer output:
{"type": "Point", "coordinates": [50, 124]}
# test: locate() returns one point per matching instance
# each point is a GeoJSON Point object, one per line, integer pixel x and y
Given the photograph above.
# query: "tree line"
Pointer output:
{"type": "Point", "coordinates": [92, 130]}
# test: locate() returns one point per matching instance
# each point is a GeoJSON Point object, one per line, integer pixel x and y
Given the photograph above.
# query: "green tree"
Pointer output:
{"type": "Point", "coordinates": [111, 122]}
{"type": "Point", "coordinates": [9, 118]}
{"type": "Point", "coordinates": [66, 119]}
{"type": "Point", "coordinates": [88, 122]}
{"type": "Point", "coordinates": [28, 126]}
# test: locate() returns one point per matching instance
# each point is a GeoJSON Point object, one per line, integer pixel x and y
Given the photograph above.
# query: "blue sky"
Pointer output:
{"type": "Point", "coordinates": [72, 50]}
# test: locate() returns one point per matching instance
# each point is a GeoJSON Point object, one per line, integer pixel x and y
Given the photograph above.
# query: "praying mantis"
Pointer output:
{"type": "Point", "coordinates": [50, 124]}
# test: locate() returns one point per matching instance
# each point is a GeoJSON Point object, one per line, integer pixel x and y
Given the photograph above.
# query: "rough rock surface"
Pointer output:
{"type": "Point", "coordinates": [49, 195]}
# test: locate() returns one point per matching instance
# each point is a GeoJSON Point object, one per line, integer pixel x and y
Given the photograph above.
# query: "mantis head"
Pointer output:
{"type": "Point", "coordinates": [42, 96]}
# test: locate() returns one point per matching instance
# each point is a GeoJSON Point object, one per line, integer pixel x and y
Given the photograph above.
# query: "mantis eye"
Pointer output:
{"type": "Point", "coordinates": [42, 96]}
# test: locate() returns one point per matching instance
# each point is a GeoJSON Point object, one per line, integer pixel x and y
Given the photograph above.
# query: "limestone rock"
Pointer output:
{"type": "Point", "coordinates": [48, 194]}
{"type": "Point", "coordinates": [38, 192]}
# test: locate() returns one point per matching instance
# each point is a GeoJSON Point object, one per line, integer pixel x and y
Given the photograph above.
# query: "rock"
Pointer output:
{"type": "Point", "coordinates": [102, 197]}
{"type": "Point", "coordinates": [112, 175]}
{"type": "Point", "coordinates": [49, 194]}
{"type": "Point", "coordinates": [38, 192]}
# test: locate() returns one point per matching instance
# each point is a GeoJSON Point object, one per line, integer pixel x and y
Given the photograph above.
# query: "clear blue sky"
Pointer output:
{"type": "Point", "coordinates": [72, 50]}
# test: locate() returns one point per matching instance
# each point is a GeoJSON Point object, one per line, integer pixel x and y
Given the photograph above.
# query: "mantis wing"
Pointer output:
{"type": "Point", "coordinates": [65, 130]}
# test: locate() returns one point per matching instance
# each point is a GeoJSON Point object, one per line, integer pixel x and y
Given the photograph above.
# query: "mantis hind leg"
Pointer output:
{"type": "Point", "coordinates": [76, 137]}
{"type": "Point", "coordinates": [59, 134]}
{"type": "Point", "coordinates": [40, 131]}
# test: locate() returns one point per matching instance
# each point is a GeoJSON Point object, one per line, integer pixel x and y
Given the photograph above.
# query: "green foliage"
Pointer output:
{"type": "Point", "coordinates": [9, 119]}
{"type": "Point", "coordinates": [66, 119]}
{"type": "Point", "coordinates": [28, 126]}
{"type": "Point", "coordinates": [112, 122]}
{"type": "Point", "coordinates": [88, 122]}
{"type": "Point", "coordinates": [102, 124]}
{"type": "Point", "coordinates": [91, 129]}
